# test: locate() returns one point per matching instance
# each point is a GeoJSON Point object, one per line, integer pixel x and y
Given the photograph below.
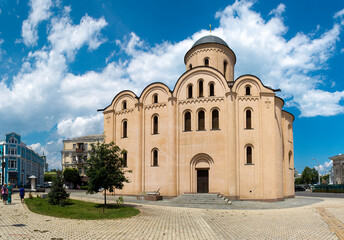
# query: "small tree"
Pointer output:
{"type": "Point", "coordinates": [105, 168]}
{"type": "Point", "coordinates": [71, 175]}
{"type": "Point", "coordinates": [57, 194]}
{"type": "Point", "coordinates": [309, 175]}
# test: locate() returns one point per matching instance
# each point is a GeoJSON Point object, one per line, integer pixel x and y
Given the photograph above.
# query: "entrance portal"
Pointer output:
{"type": "Point", "coordinates": [202, 181]}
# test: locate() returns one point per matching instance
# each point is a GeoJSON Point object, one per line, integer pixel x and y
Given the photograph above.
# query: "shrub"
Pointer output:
{"type": "Point", "coordinates": [120, 201]}
{"type": "Point", "coordinates": [30, 196]}
{"type": "Point", "coordinates": [57, 194]}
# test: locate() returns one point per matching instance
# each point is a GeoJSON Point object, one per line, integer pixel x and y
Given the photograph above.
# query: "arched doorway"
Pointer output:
{"type": "Point", "coordinates": [200, 168]}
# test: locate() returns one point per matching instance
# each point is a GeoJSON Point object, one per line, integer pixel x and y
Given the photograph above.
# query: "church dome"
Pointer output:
{"type": "Point", "coordinates": [210, 39]}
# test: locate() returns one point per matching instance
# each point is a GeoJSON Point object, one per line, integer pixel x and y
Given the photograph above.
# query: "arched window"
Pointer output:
{"type": "Point", "coordinates": [187, 121]}
{"type": "Point", "coordinates": [201, 125]}
{"type": "Point", "coordinates": [190, 66]}
{"type": "Point", "coordinates": [190, 91]}
{"type": "Point", "coordinates": [124, 105]}
{"type": "Point", "coordinates": [125, 129]}
{"type": "Point", "coordinates": [248, 90]}
{"type": "Point", "coordinates": [155, 125]}
{"type": "Point", "coordinates": [248, 155]}
{"type": "Point", "coordinates": [211, 89]}
{"type": "Point", "coordinates": [215, 119]}
{"type": "Point", "coordinates": [200, 88]}
{"type": "Point", "coordinates": [155, 98]}
{"type": "Point", "coordinates": [248, 119]}
{"type": "Point", "coordinates": [206, 62]}
{"type": "Point", "coordinates": [125, 160]}
{"type": "Point", "coordinates": [224, 68]}
{"type": "Point", "coordinates": [155, 162]}
{"type": "Point", "coordinates": [290, 155]}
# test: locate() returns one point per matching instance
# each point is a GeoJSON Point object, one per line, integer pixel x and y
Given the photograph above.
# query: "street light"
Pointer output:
{"type": "Point", "coordinates": [318, 171]}
{"type": "Point", "coordinates": [3, 164]}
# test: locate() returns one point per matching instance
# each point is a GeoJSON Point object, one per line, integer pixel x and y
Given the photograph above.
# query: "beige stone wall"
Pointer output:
{"type": "Point", "coordinates": [222, 151]}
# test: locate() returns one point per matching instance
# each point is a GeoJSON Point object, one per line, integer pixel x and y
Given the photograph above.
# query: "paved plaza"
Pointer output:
{"type": "Point", "coordinates": [321, 218]}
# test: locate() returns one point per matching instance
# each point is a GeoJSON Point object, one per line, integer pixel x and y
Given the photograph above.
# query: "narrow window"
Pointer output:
{"type": "Point", "coordinates": [215, 119]}
{"type": "Point", "coordinates": [206, 62]}
{"type": "Point", "coordinates": [211, 89]}
{"type": "Point", "coordinates": [155, 98]}
{"type": "Point", "coordinates": [200, 88]}
{"type": "Point", "coordinates": [190, 91]}
{"type": "Point", "coordinates": [187, 122]}
{"type": "Point", "coordinates": [248, 91]}
{"type": "Point", "coordinates": [224, 68]}
{"type": "Point", "coordinates": [290, 154]}
{"type": "Point", "coordinates": [249, 155]}
{"type": "Point", "coordinates": [125, 160]}
{"type": "Point", "coordinates": [124, 105]}
{"type": "Point", "coordinates": [155, 125]}
{"type": "Point", "coordinates": [248, 119]}
{"type": "Point", "coordinates": [155, 158]}
{"type": "Point", "coordinates": [201, 120]}
{"type": "Point", "coordinates": [125, 129]}
{"type": "Point", "coordinates": [190, 66]}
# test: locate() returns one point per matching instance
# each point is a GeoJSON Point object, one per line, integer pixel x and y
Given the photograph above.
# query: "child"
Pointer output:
{"type": "Point", "coordinates": [22, 193]}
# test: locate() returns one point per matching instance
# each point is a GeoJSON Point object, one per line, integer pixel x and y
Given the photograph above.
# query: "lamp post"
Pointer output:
{"type": "Point", "coordinates": [3, 164]}
{"type": "Point", "coordinates": [318, 171]}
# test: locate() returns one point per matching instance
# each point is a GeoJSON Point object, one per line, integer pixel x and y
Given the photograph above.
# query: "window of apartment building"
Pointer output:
{"type": "Point", "coordinates": [13, 150]}
{"type": "Point", "coordinates": [13, 164]}
{"type": "Point", "coordinates": [86, 146]}
{"type": "Point", "coordinates": [74, 159]}
{"type": "Point", "coordinates": [74, 146]}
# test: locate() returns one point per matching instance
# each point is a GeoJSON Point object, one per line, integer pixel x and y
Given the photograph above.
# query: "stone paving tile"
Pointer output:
{"type": "Point", "coordinates": [165, 222]}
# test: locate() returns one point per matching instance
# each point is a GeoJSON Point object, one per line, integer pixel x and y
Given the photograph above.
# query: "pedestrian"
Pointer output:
{"type": "Point", "coordinates": [22, 193]}
{"type": "Point", "coordinates": [4, 192]}
{"type": "Point", "coordinates": [10, 190]}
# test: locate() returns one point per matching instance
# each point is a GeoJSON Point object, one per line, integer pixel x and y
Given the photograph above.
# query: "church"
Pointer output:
{"type": "Point", "coordinates": [209, 134]}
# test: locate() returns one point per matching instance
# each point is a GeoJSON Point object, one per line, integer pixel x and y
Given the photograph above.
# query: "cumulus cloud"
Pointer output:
{"type": "Point", "coordinates": [51, 96]}
{"type": "Point", "coordinates": [80, 126]}
{"type": "Point", "coordinates": [40, 11]}
{"type": "Point", "coordinates": [324, 168]}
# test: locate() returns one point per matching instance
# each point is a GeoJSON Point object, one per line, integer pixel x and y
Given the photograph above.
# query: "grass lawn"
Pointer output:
{"type": "Point", "coordinates": [76, 209]}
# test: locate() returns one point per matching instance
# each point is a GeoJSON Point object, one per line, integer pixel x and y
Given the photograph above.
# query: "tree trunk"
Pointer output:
{"type": "Point", "coordinates": [104, 200]}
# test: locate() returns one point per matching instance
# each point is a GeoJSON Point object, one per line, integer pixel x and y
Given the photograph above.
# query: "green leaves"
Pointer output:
{"type": "Point", "coordinates": [106, 167]}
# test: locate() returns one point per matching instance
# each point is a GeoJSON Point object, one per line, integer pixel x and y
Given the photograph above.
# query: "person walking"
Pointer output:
{"type": "Point", "coordinates": [4, 192]}
{"type": "Point", "coordinates": [10, 190]}
{"type": "Point", "coordinates": [22, 193]}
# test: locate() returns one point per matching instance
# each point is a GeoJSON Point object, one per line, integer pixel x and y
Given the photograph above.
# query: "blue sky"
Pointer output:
{"type": "Point", "coordinates": [63, 60]}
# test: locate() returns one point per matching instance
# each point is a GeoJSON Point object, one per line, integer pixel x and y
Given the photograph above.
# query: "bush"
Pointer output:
{"type": "Point", "coordinates": [30, 196]}
{"type": "Point", "coordinates": [120, 201]}
{"type": "Point", "coordinates": [57, 194]}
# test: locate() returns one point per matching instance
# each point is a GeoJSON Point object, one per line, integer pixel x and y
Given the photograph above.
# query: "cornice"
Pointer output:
{"type": "Point", "coordinates": [155, 105]}
{"type": "Point", "coordinates": [248, 98]}
{"type": "Point", "coordinates": [125, 111]}
{"type": "Point", "coordinates": [201, 100]}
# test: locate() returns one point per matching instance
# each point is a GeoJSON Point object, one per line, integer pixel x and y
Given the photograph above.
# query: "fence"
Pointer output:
{"type": "Point", "coordinates": [328, 188]}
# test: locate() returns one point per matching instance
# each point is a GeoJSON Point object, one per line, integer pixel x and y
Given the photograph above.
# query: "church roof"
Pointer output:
{"type": "Point", "coordinates": [210, 39]}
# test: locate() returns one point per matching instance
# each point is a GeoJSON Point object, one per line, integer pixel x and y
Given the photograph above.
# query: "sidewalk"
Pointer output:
{"type": "Point", "coordinates": [310, 221]}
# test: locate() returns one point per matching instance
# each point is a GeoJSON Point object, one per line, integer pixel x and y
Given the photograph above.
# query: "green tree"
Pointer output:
{"type": "Point", "coordinates": [309, 176]}
{"type": "Point", "coordinates": [57, 194]}
{"type": "Point", "coordinates": [105, 168]}
{"type": "Point", "coordinates": [71, 175]}
{"type": "Point", "coordinates": [298, 181]}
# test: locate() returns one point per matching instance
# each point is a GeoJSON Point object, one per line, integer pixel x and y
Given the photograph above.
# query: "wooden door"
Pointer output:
{"type": "Point", "coordinates": [202, 181]}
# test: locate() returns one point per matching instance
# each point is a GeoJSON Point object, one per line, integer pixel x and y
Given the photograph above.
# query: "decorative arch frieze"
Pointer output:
{"type": "Point", "coordinates": [201, 100]}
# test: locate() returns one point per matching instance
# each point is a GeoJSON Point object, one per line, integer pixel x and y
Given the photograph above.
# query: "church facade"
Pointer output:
{"type": "Point", "coordinates": [209, 134]}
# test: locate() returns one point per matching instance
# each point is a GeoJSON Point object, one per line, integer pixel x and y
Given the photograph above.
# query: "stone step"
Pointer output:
{"type": "Point", "coordinates": [202, 198]}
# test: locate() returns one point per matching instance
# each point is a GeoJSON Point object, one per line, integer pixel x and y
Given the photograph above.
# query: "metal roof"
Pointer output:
{"type": "Point", "coordinates": [210, 39]}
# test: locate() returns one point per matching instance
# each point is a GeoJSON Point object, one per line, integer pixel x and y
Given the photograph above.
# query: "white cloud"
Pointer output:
{"type": "Point", "coordinates": [339, 14]}
{"type": "Point", "coordinates": [278, 11]}
{"type": "Point", "coordinates": [324, 168]}
{"type": "Point", "coordinates": [68, 38]}
{"type": "Point", "coordinates": [40, 11]}
{"type": "Point", "coordinates": [80, 126]}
